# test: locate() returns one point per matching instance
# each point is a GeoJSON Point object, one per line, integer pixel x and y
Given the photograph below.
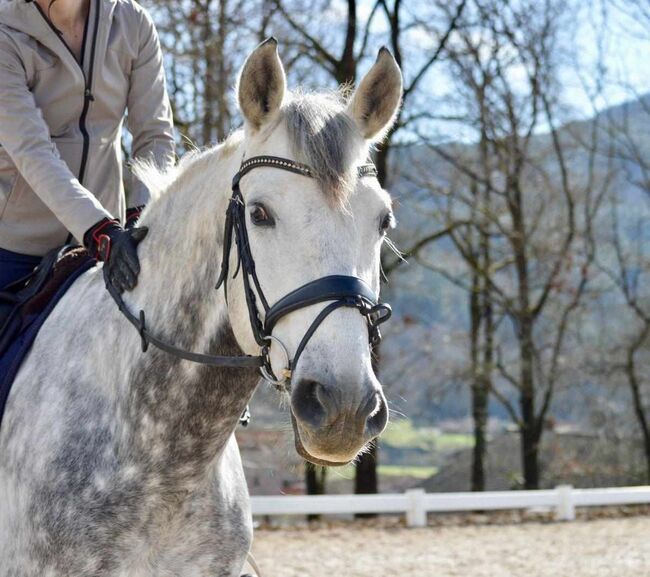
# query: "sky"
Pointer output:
{"type": "Point", "coordinates": [625, 55]}
{"type": "Point", "coordinates": [598, 36]}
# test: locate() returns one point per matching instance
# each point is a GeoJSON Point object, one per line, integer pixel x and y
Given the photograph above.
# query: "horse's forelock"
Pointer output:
{"type": "Point", "coordinates": [324, 137]}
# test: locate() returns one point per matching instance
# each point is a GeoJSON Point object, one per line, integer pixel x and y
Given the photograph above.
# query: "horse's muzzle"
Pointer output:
{"type": "Point", "coordinates": [328, 429]}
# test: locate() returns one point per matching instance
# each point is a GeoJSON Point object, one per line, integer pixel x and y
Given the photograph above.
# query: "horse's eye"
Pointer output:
{"type": "Point", "coordinates": [260, 216]}
{"type": "Point", "coordinates": [388, 221]}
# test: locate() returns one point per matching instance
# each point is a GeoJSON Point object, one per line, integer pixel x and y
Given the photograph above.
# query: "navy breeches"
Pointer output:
{"type": "Point", "coordinates": [14, 266]}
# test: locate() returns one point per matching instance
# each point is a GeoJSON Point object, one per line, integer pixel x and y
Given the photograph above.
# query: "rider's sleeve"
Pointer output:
{"type": "Point", "coordinates": [26, 138]}
{"type": "Point", "coordinates": [149, 113]}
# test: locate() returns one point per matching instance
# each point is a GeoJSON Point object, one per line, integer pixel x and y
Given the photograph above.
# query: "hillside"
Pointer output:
{"type": "Point", "coordinates": [426, 349]}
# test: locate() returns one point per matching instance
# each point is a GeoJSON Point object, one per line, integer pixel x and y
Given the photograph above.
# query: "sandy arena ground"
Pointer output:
{"type": "Point", "coordinates": [597, 548]}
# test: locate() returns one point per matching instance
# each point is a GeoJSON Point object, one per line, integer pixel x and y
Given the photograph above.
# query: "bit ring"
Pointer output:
{"type": "Point", "coordinates": [265, 369]}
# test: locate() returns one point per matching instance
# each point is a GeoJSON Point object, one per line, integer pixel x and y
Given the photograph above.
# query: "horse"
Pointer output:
{"type": "Point", "coordinates": [119, 462]}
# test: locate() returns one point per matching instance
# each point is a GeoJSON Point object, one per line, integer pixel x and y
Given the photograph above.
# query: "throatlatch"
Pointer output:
{"type": "Point", "coordinates": [343, 291]}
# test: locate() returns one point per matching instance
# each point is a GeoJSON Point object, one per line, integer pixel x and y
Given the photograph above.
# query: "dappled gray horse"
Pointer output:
{"type": "Point", "coordinates": [117, 462]}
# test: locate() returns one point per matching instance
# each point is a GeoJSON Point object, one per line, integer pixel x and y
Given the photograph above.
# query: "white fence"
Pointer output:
{"type": "Point", "coordinates": [415, 504]}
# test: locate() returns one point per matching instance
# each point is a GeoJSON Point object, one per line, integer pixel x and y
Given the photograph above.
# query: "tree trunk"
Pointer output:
{"type": "Point", "coordinates": [531, 430]}
{"type": "Point", "coordinates": [639, 409]}
{"type": "Point", "coordinates": [479, 414]}
{"type": "Point", "coordinates": [209, 80]}
{"type": "Point", "coordinates": [530, 458]}
{"type": "Point", "coordinates": [480, 406]}
{"type": "Point", "coordinates": [315, 477]}
{"type": "Point", "coordinates": [222, 122]}
{"type": "Point", "coordinates": [479, 399]}
{"type": "Point", "coordinates": [482, 320]}
{"type": "Point", "coordinates": [346, 70]}
{"type": "Point", "coordinates": [365, 479]}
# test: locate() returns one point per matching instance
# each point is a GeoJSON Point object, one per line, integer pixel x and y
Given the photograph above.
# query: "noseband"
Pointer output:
{"type": "Point", "coordinates": [343, 291]}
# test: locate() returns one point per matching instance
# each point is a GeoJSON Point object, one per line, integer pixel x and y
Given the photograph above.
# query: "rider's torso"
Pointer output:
{"type": "Point", "coordinates": [83, 104]}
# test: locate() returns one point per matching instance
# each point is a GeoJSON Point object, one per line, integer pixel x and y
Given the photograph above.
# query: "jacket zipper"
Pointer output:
{"type": "Point", "coordinates": [88, 95]}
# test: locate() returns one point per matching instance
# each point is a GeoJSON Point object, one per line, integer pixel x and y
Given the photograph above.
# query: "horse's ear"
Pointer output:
{"type": "Point", "coordinates": [375, 102]}
{"type": "Point", "coordinates": [262, 84]}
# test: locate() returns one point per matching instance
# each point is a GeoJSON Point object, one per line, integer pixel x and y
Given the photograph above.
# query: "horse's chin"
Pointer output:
{"type": "Point", "coordinates": [302, 451]}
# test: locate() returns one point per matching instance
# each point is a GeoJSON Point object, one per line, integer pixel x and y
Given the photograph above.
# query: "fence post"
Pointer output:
{"type": "Point", "coordinates": [565, 509]}
{"type": "Point", "coordinates": [416, 514]}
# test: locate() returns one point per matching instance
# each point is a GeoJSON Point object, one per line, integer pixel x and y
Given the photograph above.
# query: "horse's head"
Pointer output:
{"type": "Point", "coordinates": [301, 229]}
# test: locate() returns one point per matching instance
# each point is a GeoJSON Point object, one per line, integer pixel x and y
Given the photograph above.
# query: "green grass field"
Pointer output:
{"type": "Point", "coordinates": [403, 435]}
{"type": "Point", "coordinates": [415, 471]}
{"type": "Point", "coordinates": [406, 471]}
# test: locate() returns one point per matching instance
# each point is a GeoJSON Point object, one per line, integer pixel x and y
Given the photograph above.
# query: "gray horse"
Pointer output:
{"type": "Point", "coordinates": [119, 463]}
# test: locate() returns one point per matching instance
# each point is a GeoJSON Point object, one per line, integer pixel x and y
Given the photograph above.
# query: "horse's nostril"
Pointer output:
{"type": "Point", "coordinates": [316, 406]}
{"type": "Point", "coordinates": [327, 398]}
{"type": "Point", "coordinates": [376, 414]}
{"type": "Point", "coordinates": [312, 402]}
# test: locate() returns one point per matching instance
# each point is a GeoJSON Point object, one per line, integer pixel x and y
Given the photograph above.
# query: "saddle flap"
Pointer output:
{"type": "Point", "coordinates": [28, 297]}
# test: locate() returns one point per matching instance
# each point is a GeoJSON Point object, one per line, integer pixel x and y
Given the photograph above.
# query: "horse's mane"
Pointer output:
{"type": "Point", "coordinates": [322, 136]}
{"type": "Point", "coordinates": [159, 182]}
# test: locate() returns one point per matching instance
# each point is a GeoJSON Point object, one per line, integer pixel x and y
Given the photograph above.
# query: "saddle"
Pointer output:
{"type": "Point", "coordinates": [29, 296]}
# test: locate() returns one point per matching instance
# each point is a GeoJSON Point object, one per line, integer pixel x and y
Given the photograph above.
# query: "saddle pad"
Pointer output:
{"type": "Point", "coordinates": [34, 317]}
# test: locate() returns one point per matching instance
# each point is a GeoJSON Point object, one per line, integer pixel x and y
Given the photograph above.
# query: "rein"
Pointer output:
{"type": "Point", "coordinates": [343, 291]}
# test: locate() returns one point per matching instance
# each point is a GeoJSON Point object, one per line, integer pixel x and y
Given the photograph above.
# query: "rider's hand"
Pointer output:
{"type": "Point", "coordinates": [107, 241]}
{"type": "Point", "coordinates": [132, 216]}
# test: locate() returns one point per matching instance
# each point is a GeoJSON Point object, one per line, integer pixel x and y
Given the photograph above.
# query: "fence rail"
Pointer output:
{"type": "Point", "coordinates": [415, 503]}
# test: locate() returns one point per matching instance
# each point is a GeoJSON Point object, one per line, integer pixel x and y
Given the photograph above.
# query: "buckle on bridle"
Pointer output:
{"type": "Point", "coordinates": [376, 315]}
{"type": "Point", "coordinates": [379, 313]}
{"type": "Point", "coordinates": [267, 371]}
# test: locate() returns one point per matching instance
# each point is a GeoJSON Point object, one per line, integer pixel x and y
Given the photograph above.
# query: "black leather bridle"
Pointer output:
{"type": "Point", "coordinates": [343, 291]}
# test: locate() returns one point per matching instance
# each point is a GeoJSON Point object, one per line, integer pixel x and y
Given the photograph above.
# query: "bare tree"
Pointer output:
{"type": "Point", "coordinates": [529, 245]}
{"type": "Point", "coordinates": [629, 272]}
{"type": "Point", "coordinates": [627, 262]}
{"type": "Point", "coordinates": [624, 257]}
{"type": "Point", "coordinates": [205, 42]}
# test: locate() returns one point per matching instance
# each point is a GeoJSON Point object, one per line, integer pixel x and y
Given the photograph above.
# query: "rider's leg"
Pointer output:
{"type": "Point", "coordinates": [14, 266]}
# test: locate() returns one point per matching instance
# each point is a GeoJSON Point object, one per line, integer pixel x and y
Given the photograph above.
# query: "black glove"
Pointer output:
{"type": "Point", "coordinates": [107, 241]}
{"type": "Point", "coordinates": [132, 215]}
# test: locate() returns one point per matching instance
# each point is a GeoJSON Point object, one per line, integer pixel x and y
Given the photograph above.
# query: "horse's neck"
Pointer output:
{"type": "Point", "coordinates": [178, 410]}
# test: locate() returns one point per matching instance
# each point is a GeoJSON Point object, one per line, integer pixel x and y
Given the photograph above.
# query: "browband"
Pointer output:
{"type": "Point", "coordinates": [291, 166]}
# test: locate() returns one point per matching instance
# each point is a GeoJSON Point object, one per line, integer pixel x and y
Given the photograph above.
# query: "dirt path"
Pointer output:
{"type": "Point", "coordinates": [599, 548]}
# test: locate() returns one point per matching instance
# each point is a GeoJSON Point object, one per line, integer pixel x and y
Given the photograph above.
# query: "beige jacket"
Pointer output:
{"type": "Point", "coordinates": [61, 123]}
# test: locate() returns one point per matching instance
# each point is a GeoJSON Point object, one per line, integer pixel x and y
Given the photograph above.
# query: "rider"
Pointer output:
{"type": "Point", "coordinates": [69, 69]}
